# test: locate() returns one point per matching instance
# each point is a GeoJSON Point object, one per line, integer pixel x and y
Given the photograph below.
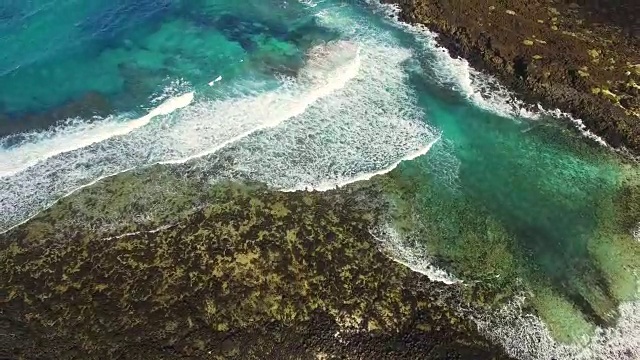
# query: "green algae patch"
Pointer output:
{"type": "Point", "coordinates": [564, 320]}
{"type": "Point", "coordinates": [226, 270]}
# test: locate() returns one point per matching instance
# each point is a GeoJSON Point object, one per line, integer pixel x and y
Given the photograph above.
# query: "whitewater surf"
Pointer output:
{"type": "Point", "coordinates": [319, 95]}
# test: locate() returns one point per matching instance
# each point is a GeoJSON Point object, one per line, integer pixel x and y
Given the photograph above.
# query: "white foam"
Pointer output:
{"type": "Point", "coordinates": [365, 128]}
{"type": "Point", "coordinates": [78, 134]}
{"type": "Point", "coordinates": [526, 337]}
{"type": "Point", "coordinates": [636, 233]}
{"type": "Point", "coordinates": [308, 3]}
{"type": "Point", "coordinates": [134, 233]}
{"type": "Point", "coordinates": [212, 82]}
{"type": "Point", "coordinates": [482, 90]}
{"type": "Point", "coordinates": [20, 213]}
{"type": "Point", "coordinates": [579, 124]}
{"type": "Point", "coordinates": [340, 182]}
{"type": "Point", "coordinates": [197, 130]}
{"type": "Point", "coordinates": [320, 78]}
{"type": "Point", "coordinates": [412, 255]}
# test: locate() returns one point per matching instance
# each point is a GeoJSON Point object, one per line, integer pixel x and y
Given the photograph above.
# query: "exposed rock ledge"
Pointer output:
{"type": "Point", "coordinates": [582, 57]}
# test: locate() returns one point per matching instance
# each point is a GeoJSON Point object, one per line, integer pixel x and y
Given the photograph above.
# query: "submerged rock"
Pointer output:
{"type": "Point", "coordinates": [90, 105]}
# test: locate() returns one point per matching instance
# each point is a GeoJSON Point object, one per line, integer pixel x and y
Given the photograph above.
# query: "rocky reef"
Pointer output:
{"type": "Point", "coordinates": [218, 271]}
{"type": "Point", "coordinates": [582, 57]}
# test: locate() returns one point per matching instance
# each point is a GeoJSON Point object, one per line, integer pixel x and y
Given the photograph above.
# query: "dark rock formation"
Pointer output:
{"type": "Point", "coordinates": [257, 274]}
{"type": "Point", "coordinates": [582, 57]}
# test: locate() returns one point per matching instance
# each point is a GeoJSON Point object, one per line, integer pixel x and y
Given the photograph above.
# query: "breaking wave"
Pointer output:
{"type": "Point", "coordinates": [76, 134]}
{"type": "Point", "coordinates": [525, 336]}
{"type": "Point", "coordinates": [413, 255]}
{"type": "Point", "coordinates": [346, 114]}
{"type": "Point", "coordinates": [179, 135]}
{"type": "Point", "coordinates": [360, 130]}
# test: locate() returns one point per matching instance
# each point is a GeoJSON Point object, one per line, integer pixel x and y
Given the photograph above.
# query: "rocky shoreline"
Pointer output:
{"type": "Point", "coordinates": [240, 271]}
{"type": "Point", "coordinates": [248, 273]}
{"type": "Point", "coordinates": [581, 57]}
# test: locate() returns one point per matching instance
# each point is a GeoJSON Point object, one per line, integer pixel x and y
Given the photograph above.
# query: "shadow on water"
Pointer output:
{"type": "Point", "coordinates": [9, 13]}
{"type": "Point", "coordinates": [116, 17]}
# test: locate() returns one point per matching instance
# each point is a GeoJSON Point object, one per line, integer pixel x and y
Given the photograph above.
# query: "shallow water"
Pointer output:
{"type": "Point", "coordinates": [315, 95]}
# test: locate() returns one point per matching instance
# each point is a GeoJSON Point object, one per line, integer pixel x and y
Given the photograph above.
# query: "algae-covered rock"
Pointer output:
{"type": "Point", "coordinates": [243, 272]}
{"type": "Point", "coordinates": [600, 35]}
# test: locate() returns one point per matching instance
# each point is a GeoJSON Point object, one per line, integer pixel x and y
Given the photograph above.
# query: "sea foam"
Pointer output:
{"type": "Point", "coordinates": [412, 255]}
{"type": "Point", "coordinates": [197, 130]}
{"type": "Point", "coordinates": [340, 182]}
{"type": "Point", "coordinates": [348, 115]}
{"type": "Point", "coordinates": [527, 337]}
{"type": "Point", "coordinates": [365, 128]}
{"type": "Point", "coordinates": [330, 68]}
{"type": "Point", "coordinates": [76, 134]}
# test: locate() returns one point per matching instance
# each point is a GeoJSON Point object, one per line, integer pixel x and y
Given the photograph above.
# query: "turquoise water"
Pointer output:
{"type": "Point", "coordinates": [315, 95]}
{"type": "Point", "coordinates": [126, 51]}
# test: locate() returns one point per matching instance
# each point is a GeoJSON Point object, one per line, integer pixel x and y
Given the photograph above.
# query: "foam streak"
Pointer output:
{"type": "Point", "coordinates": [326, 186]}
{"type": "Point", "coordinates": [414, 256]}
{"type": "Point", "coordinates": [200, 129]}
{"type": "Point", "coordinates": [51, 143]}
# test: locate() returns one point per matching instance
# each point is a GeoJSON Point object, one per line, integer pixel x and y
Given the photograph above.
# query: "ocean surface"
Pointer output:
{"type": "Point", "coordinates": [315, 94]}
